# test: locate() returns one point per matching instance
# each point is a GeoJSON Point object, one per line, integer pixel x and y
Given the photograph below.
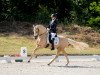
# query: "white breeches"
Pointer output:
{"type": "Point", "coordinates": [53, 35]}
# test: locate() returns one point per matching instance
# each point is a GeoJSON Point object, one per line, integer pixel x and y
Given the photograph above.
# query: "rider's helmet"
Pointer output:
{"type": "Point", "coordinates": [54, 15]}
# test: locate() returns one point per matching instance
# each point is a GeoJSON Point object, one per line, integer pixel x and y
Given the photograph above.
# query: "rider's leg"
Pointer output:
{"type": "Point", "coordinates": [52, 44]}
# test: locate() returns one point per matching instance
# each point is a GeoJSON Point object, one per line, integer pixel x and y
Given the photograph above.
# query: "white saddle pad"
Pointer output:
{"type": "Point", "coordinates": [56, 41]}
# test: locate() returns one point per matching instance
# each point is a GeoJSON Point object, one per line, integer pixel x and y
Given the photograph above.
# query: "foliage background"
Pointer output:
{"type": "Point", "coordinates": [83, 12]}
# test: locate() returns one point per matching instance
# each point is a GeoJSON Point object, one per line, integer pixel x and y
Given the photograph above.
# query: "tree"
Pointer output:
{"type": "Point", "coordinates": [94, 19]}
{"type": "Point", "coordinates": [39, 11]}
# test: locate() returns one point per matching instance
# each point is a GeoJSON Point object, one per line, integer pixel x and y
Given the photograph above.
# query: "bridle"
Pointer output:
{"type": "Point", "coordinates": [40, 34]}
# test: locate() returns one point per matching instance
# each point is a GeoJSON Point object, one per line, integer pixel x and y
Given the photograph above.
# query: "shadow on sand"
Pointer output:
{"type": "Point", "coordinates": [80, 66]}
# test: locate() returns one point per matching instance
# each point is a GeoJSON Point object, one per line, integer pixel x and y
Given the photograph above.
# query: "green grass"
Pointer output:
{"type": "Point", "coordinates": [10, 45]}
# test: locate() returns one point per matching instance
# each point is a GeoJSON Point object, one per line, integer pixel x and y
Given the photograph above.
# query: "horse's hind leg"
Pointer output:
{"type": "Point", "coordinates": [65, 54]}
{"type": "Point", "coordinates": [58, 52]}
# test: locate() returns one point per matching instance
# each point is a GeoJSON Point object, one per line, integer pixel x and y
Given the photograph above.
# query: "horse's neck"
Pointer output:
{"type": "Point", "coordinates": [43, 37]}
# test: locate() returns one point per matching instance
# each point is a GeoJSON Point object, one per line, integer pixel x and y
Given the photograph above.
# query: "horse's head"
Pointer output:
{"type": "Point", "coordinates": [38, 30]}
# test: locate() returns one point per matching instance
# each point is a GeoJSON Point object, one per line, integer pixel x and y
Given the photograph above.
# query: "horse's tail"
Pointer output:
{"type": "Point", "coordinates": [78, 45]}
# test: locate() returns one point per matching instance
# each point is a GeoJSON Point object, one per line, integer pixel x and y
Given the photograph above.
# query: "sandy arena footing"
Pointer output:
{"type": "Point", "coordinates": [39, 67]}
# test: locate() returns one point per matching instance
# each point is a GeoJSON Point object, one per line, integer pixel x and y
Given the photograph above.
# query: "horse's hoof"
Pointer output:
{"type": "Point", "coordinates": [66, 64]}
{"type": "Point", "coordinates": [36, 56]}
{"type": "Point", "coordinates": [28, 61]}
{"type": "Point", "coordinates": [47, 45]}
{"type": "Point", "coordinates": [48, 64]}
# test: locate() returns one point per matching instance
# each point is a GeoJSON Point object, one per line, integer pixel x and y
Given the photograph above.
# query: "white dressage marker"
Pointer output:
{"type": "Point", "coordinates": [23, 52]}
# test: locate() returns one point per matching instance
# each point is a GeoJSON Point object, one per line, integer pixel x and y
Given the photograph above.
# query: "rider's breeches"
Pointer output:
{"type": "Point", "coordinates": [53, 35]}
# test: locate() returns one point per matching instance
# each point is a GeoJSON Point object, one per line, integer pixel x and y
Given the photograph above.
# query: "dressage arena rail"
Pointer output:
{"type": "Point", "coordinates": [59, 59]}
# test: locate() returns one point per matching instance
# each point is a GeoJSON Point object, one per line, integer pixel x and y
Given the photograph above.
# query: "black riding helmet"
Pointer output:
{"type": "Point", "coordinates": [54, 15]}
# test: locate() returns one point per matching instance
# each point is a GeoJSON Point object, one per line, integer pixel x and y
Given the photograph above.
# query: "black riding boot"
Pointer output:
{"type": "Point", "coordinates": [52, 44]}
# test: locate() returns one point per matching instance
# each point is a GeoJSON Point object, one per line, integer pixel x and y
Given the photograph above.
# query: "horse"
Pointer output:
{"type": "Point", "coordinates": [41, 33]}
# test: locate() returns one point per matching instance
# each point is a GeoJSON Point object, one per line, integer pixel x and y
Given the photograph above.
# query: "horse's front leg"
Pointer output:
{"type": "Point", "coordinates": [33, 53]}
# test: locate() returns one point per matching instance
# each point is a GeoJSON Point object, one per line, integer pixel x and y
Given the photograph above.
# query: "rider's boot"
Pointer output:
{"type": "Point", "coordinates": [52, 44]}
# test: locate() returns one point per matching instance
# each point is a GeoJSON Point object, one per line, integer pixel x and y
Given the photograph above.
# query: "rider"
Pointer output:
{"type": "Point", "coordinates": [52, 29]}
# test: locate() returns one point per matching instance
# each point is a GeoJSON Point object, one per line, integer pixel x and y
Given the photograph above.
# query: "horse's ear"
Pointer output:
{"type": "Point", "coordinates": [33, 25]}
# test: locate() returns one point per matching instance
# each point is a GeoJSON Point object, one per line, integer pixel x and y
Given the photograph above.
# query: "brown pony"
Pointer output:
{"type": "Point", "coordinates": [41, 33]}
